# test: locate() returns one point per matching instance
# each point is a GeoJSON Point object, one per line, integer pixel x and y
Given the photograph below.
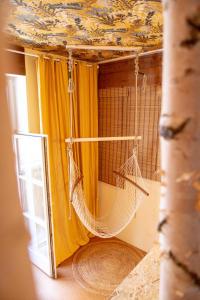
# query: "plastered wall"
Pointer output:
{"type": "Point", "coordinates": [142, 230]}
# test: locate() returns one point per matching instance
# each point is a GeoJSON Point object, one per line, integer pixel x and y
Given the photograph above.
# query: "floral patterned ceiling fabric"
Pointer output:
{"type": "Point", "coordinates": [51, 24]}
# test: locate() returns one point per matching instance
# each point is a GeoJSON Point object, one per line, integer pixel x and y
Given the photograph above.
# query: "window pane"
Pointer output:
{"type": "Point", "coordinates": [38, 199]}
{"type": "Point", "coordinates": [41, 240]}
{"type": "Point", "coordinates": [17, 99]}
{"type": "Point", "coordinates": [24, 195]}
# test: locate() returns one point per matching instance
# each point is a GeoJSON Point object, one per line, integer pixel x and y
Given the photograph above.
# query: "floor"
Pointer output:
{"type": "Point", "coordinates": [144, 280]}
{"type": "Point", "coordinates": [64, 287]}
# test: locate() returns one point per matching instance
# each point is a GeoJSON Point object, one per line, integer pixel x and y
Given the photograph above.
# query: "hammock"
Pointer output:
{"type": "Point", "coordinates": [130, 188]}
{"type": "Point", "coordinates": [130, 191]}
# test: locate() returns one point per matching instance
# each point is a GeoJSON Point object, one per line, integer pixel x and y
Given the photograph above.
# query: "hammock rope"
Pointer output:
{"type": "Point", "coordinates": [130, 189]}
{"type": "Point", "coordinates": [70, 144]}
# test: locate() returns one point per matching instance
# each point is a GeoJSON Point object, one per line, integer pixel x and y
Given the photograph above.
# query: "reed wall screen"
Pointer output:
{"type": "Point", "coordinates": [117, 116]}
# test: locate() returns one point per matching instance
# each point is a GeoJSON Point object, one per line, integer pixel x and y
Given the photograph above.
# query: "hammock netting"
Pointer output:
{"type": "Point", "coordinates": [129, 192]}
{"type": "Point", "coordinates": [126, 195]}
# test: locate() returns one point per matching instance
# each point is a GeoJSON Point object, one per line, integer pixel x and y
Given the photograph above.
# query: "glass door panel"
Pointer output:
{"type": "Point", "coordinates": [32, 176]}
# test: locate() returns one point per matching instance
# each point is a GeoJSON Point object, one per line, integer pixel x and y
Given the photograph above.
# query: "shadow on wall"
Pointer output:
{"type": "Point", "coordinates": [142, 230]}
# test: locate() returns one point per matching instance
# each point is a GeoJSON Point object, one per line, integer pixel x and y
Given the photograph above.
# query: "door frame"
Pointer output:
{"type": "Point", "coordinates": [47, 199]}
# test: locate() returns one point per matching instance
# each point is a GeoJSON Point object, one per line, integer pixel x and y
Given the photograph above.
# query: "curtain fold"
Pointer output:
{"type": "Point", "coordinates": [86, 125]}
{"type": "Point", "coordinates": [32, 94]}
{"type": "Point", "coordinates": [55, 122]}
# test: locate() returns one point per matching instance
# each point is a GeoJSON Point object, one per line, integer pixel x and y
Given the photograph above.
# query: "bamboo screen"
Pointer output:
{"type": "Point", "coordinates": [117, 118]}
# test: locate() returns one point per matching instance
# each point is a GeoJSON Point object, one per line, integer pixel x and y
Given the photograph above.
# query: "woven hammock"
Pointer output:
{"type": "Point", "coordinates": [129, 189]}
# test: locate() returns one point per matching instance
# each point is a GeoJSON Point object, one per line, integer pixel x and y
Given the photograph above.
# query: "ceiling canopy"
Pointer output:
{"type": "Point", "coordinates": [50, 25]}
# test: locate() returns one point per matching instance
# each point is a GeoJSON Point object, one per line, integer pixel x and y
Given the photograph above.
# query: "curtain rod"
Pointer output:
{"type": "Point", "coordinates": [36, 55]}
{"type": "Point", "coordinates": [130, 56]}
{"type": "Point", "coordinates": [98, 63]}
{"type": "Point", "coordinates": [21, 52]}
{"type": "Point", "coordinates": [57, 57]}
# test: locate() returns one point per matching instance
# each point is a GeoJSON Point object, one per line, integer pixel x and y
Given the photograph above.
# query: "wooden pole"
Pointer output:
{"type": "Point", "coordinates": [103, 139]}
{"type": "Point", "coordinates": [132, 182]}
{"type": "Point", "coordinates": [180, 147]}
{"type": "Point", "coordinates": [130, 56]}
{"type": "Point", "coordinates": [100, 48]}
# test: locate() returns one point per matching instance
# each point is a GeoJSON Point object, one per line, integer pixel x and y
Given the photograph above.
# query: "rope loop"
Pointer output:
{"type": "Point", "coordinates": [136, 64]}
{"type": "Point", "coordinates": [70, 73]}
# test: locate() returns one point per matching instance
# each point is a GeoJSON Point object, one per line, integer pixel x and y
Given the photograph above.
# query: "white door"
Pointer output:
{"type": "Point", "coordinates": [32, 173]}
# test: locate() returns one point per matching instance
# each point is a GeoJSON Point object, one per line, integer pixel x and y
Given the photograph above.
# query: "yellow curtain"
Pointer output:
{"type": "Point", "coordinates": [32, 94]}
{"type": "Point", "coordinates": [54, 106]}
{"type": "Point", "coordinates": [86, 125]}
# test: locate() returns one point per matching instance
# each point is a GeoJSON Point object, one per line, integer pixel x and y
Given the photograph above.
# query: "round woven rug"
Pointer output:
{"type": "Point", "coordinates": [101, 266]}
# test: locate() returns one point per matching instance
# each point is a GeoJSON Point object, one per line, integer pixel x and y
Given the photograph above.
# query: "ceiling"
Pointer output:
{"type": "Point", "coordinates": [49, 25]}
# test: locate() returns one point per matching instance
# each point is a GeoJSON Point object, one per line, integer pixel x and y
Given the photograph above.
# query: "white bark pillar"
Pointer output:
{"type": "Point", "coordinates": [180, 148]}
{"type": "Point", "coordinates": [16, 280]}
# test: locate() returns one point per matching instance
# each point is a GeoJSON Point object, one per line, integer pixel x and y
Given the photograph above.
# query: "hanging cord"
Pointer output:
{"type": "Point", "coordinates": [135, 150]}
{"type": "Point", "coordinates": [70, 91]}
{"type": "Point", "coordinates": [144, 83]}
{"type": "Point", "coordinates": [136, 101]}
{"type": "Point", "coordinates": [70, 153]}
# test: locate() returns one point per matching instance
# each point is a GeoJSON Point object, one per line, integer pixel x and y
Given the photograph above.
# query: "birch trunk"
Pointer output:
{"type": "Point", "coordinates": [16, 282]}
{"type": "Point", "coordinates": [180, 147]}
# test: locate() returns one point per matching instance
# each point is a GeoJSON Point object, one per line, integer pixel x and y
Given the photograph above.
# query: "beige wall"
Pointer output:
{"type": "Point", "coordinates": [142, 231]}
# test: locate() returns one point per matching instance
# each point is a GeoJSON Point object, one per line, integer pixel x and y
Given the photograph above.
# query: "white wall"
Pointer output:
{"type": "Point", "coordinates": [142, 231]}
